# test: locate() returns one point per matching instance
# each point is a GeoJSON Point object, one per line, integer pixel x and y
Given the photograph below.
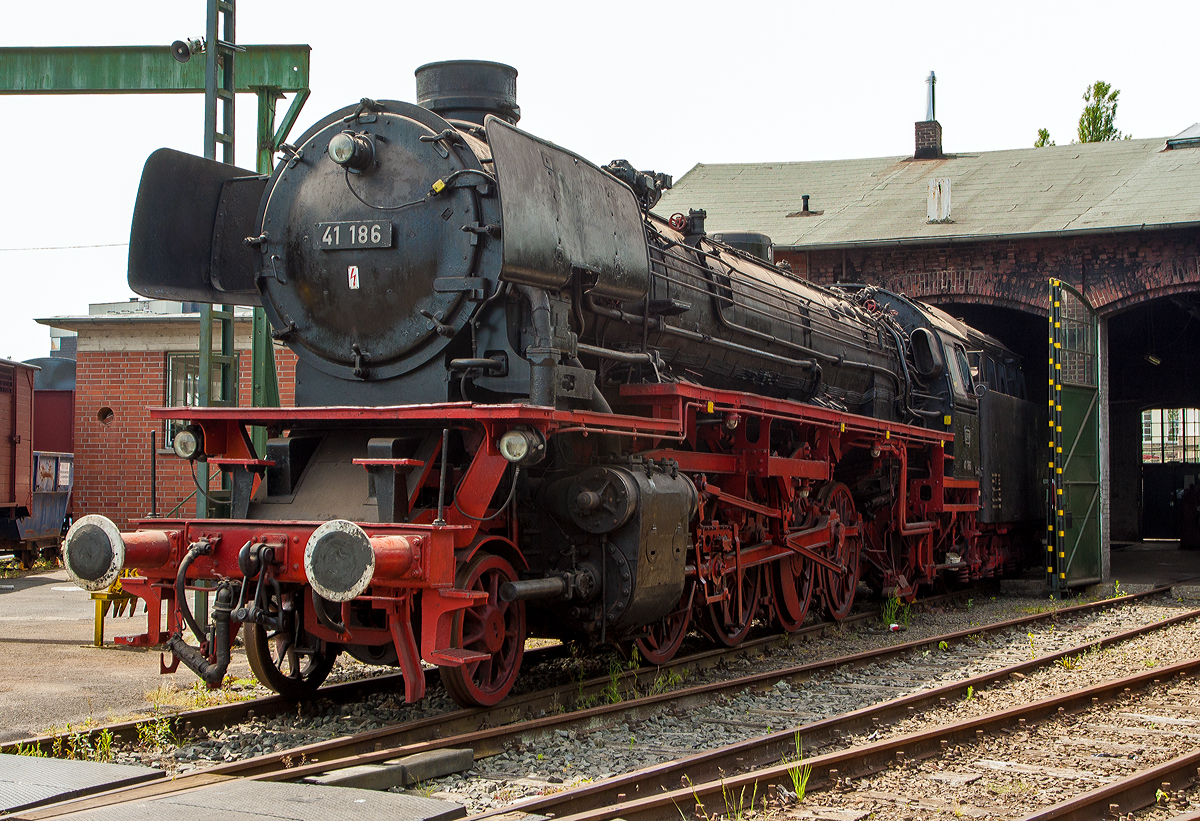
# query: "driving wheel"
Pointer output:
{"type": "Point", "coordinates": [662, 640]}
{"type": "Point", "coordinates": [792, 581]}
{"type": "Point", "coordinates": [839, 585]}
{"type": "Point", "coordinates": [494, 627]}
{"type": "Point", "coordinates": [729, 620]}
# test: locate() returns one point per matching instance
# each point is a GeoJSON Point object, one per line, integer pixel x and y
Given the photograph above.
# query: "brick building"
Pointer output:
{"type": "Point", "coordinates": [981, 233]}
{"type": "Point", "coordinates": [132, 356]}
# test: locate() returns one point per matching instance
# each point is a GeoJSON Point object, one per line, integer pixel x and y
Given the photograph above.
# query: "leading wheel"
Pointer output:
{"type": "Point", "coordinates": [279, 662]}
{"type": "Point", "coordinates": [662, 640]}
{"type": "Point", "coordinates": [840, 585]}
{"type": "Point", "coordinates": [494, 627]}
{"type": "Point", "coordinates": [729, 620]}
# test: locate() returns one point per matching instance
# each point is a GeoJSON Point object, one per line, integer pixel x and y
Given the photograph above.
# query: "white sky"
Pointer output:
{"type": "Point", "coordinates": [662, 84]}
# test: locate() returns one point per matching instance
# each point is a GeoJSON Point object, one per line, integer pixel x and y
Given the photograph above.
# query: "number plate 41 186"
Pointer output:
{"type": "Point", "coordinates": [340, 236]}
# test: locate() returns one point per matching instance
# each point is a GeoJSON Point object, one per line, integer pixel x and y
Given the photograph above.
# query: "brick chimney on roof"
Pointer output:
{"type": "Point", "coordinates": [929, 131]}
{"type": "Point", "coordinates": [929, 140]}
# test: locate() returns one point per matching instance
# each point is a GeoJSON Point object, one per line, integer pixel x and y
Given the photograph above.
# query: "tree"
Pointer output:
{"type": "Point", "coordinates": [1096, 123]}
{"type": "Point", "coordinates": [1043, 139]}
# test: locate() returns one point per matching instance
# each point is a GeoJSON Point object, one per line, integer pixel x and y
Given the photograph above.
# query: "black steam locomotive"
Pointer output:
{"type": "Point", "coordinates": [527, 404]}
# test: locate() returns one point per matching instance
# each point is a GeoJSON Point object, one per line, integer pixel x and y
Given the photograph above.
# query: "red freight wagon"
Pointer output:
{"type": "Point", "coordinates": [16, 438]}
{"type": "Point", "coordinates": [36, 460]}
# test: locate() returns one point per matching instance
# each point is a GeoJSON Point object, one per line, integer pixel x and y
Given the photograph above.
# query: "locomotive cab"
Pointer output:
{"type": "Point", "coordinates": [965, 416]}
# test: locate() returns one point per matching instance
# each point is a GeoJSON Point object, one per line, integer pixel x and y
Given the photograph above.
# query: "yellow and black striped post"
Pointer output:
{"type": "Point", "coordinates": [1056, 531]}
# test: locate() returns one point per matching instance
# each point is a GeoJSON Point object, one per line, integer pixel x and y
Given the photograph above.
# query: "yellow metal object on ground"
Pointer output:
{"type": "Point", "coordinates": [117, 599]}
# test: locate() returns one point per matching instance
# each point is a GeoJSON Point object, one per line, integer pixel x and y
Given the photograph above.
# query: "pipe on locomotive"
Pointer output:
{"type": "Point", "coordinates": [340, 559]}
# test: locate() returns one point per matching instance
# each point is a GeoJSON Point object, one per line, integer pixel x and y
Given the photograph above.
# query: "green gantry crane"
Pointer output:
{"type": "Point", "coordinates": [269, 71]}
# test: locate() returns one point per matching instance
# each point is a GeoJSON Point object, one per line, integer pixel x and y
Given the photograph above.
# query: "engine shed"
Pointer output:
{"type": "Point", "coordinates": [980, 234]}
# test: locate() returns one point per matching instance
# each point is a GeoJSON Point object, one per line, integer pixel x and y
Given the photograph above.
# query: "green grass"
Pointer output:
{"type": "Point", "coordinates": [155, 733]}
{"type": "Point", "coordinates": [735, 803]}
{"type": "Point", "coordinates": [894, 611]}
{"type": "Point", "coordinates": [32, 750]}
{"type": "Point", "coordinates": [799, 772]}
{"type": "Point", "coordinates": [1070, 663]}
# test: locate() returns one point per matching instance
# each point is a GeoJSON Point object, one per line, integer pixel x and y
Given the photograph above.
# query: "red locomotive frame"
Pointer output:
{"type": "Point", "coordinates": [774, 528]}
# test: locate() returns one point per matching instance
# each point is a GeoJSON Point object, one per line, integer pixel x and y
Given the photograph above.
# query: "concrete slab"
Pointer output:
{"type": "Point", "coordinates": [1154, 563]}
{"type": "Point", "coordinates": [1137, 566]}
{"type": "Point", "coordinates": [365, 777]}
{"type": "Point", "coordinates": [240, 800]}
{"type": "Point", "coordinates": [27, 782]}
{"type": "Point", "coordinates": [399, 772]}
{"type": "Point", "coordinates": [436, 763]}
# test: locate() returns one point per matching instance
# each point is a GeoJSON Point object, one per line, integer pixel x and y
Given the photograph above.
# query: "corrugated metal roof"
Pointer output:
{"type": "Point", "coordinates": [1110, 186]}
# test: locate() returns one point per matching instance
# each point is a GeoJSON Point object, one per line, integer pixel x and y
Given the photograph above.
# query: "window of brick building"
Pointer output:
{"type": "Point", "coordinates": [1171, 435]}
{"type": "Point", "coordinates": [183, 388]}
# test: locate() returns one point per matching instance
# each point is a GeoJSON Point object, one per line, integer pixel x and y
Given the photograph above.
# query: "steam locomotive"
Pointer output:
{"type": "Point", "coordinates": [526, 404]}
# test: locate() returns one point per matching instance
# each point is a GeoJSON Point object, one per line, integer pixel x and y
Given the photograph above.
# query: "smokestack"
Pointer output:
{"type": "Point", "coordinates": [929, 131]}
{"type": "Point", "coordinates": [469, 90]}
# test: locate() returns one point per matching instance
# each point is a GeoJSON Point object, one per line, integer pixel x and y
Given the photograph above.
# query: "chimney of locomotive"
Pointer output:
{"type": "Point", "coordinates": [469, 90]}
{"type": "Point", "coordinates": [929, 131]}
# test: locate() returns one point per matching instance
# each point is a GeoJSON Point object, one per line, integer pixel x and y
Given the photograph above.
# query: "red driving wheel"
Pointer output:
{"type": "Point", "coordinates": [728, 620]}
{"type": "Point", "coordinates": [839, 586]}
{"type": "Point", "coordinates": [792, 580]}
{"type": "Point", "coordinates": [494, 627]}
{"type": "Point", "coordinates": [662, 640]}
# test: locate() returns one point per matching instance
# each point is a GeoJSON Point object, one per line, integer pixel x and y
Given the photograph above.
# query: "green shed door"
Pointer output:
{"type": "Point", "coordinates": [1073, 522]}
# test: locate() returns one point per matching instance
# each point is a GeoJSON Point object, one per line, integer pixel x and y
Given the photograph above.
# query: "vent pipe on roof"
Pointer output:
{"type": "Point", "coordinates": [938, 201]}
{"type": "Point", "coordinates": [929, 130]}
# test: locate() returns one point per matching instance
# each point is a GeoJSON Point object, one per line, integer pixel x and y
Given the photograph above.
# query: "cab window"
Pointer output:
{"type": "Point", "coordinates": [960, 373]}
{"type": "Point", "coordinates": [964, 366]}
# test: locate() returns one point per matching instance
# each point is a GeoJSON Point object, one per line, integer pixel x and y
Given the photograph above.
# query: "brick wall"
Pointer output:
{"type": "Point", "coordinates": [285, 370]}
{"type": "Point", "coordinates": [1114, 271]}
{"type": "Point", "coordinates": [112, 460]}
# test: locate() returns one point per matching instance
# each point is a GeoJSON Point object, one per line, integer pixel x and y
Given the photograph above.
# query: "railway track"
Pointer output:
{"type": "Point", "coordinates": [958, 746]}
{"type": "Point", "coordinates": [221, 716]}
{"type": "Point", "coordinates": [493, 732]}
{"type": "Point", "coordinates": [709, 778]}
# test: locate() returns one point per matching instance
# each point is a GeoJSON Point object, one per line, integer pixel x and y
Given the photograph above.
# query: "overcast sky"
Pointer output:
{"type": "Point", "coordinates": [664, 85]}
